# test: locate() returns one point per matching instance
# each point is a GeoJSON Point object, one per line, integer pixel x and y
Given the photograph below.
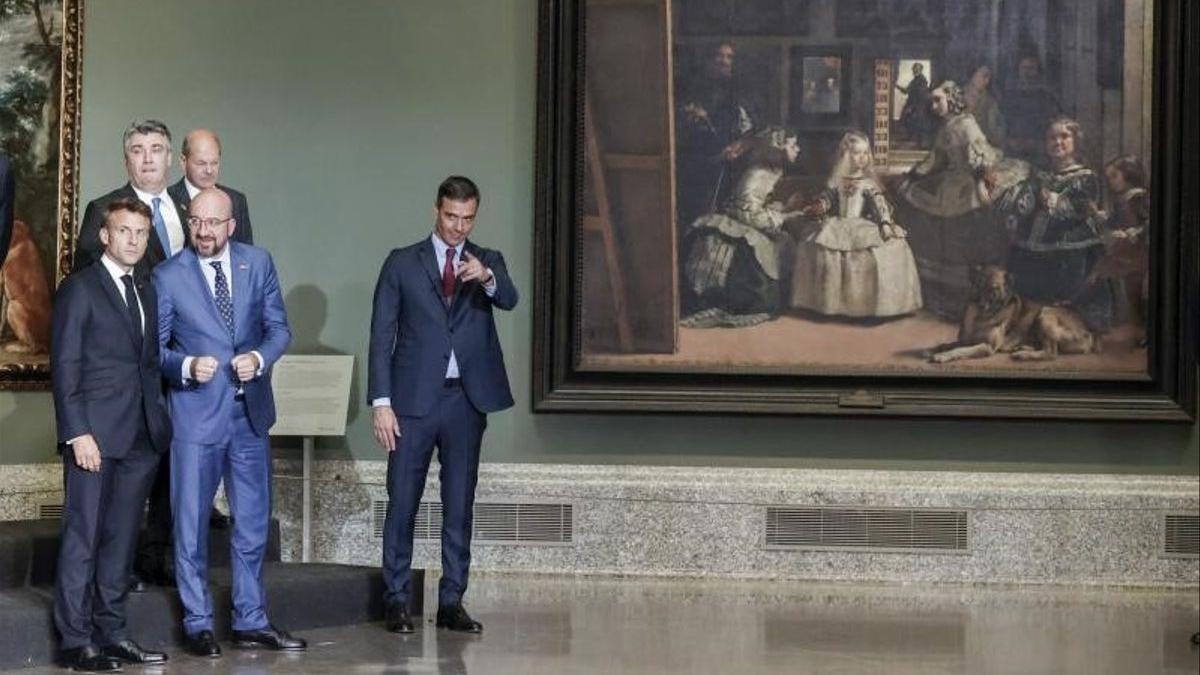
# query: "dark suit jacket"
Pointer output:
{"type": "Point", "coordinates": [412, 333]}
{"type": "Point", "coordinates": [241, 211]}
{"type": "Point", "coordinates": [102, 384]}
{"type": "Point", "coordinates": [8, 191]}
{"type": "Point", "coordinates": [88, 248]}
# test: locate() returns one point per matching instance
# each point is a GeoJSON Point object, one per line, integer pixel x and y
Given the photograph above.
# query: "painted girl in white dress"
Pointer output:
{"type": "Point", "coordinates": [855, 261]}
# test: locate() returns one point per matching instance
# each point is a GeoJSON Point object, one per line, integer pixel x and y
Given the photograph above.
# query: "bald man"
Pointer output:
{"type": "Point", "coordinates": [201, 160]}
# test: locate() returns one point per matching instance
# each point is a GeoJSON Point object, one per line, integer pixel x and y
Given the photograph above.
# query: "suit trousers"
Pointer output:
{"type": "Point", "coordinates": [455, 427]}
{"type": "Point", "coordinates": [102, 513]}
{"type": "Point", "coordinates": [243, 458]}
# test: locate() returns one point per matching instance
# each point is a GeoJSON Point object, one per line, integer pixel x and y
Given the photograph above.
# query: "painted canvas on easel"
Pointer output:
{"type": "Point", "coordinates": [929, 187]}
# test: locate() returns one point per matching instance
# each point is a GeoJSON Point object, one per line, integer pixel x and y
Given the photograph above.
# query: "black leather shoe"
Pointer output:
{"type": "Point", "coordinates": [398, 620]}
{"type": "Point", "coordinates": [131, 652]}
{"type": "Point", "coordinates": [269, 637]}
{"type": "Point", "coordinates": [202, 644]}
{"type": "Point", "coordinates": [89, 660]}
{"type": "Point", "coordinates": [456, 618]}
{"type": "Point", "coordinates": [219, 521]}
{"type": "Point", "coordinates": [136, 585]}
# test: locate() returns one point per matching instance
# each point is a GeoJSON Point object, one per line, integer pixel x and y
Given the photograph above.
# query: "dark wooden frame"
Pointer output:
{"type": "Point", "coordinates": [1167, 394]}
{"type": "Point", "coordinates": [37, 376]}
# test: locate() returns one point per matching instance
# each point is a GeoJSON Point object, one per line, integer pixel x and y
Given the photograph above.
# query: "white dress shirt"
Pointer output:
{"type": "Point", "coordinates": [210, 277]}
{"type": "Point", "coordinates": [170, 217]}
{"type": "Point", "coordinates": [440, 249]}
{"type": "Point", "coordinates": [115, 271]}
{"type": "Point", "coordinates": [191, 189]}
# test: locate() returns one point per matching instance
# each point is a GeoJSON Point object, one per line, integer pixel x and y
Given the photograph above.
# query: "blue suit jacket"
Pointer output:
{"type": "Point", "coordinates": [103, 385]}
{"type": "Point", "coordinates": [189, 325]}
{"type": "Point", "coordinates": [412, 333]}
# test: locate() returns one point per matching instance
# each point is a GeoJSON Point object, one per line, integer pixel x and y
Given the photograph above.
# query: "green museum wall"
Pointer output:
{"type": "Point", "coordinates": [339, 119]}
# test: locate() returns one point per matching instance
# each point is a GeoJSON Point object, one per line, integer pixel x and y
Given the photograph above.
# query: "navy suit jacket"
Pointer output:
{"type": "Point", "coordinates": [189, 325]}
{"type": "Point", "coordinates": [8, 189]}
{"type": "Point", "coordinates": [102, 383]}
{"type": "Point", "coordinates": [244, 232]}
{"type": "Point", "coordinates": [89, 248]}
{"type": "Point", "coordinates": [413, 331]}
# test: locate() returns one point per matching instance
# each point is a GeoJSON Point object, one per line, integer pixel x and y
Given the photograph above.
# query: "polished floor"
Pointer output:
{"type": "Point", "coordinates": [589, 625]}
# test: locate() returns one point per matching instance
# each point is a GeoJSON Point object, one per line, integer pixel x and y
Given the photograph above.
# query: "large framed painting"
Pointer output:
{"type": "Point", "coordinates": [40, 66]}
{"type": "Point", "coordinates": [869, 207]}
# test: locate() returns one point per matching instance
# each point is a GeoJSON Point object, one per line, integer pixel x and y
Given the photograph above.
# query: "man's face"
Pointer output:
{"type": "Point", "coordinates": [455, 220]}
{"type": "Point", "coordinates": [125, 235]}
{"type": "Point", "coordinates": [147, 159]}
{"type": "Point", "coordinates": [210, 223]}
{"type": "Point", "coordinates": [202, 164]}
{"type": "Point", "coordinates": [1028, 70]}
{"type": "Point", "coordinates": [1060, 142]}
{"type": "Point", "coordinates": [722, 61]}
{"type": "Point", "coordinates": [940, 104]}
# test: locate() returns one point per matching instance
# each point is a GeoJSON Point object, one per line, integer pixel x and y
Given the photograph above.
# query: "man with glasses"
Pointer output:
{"type": "Point", "coordinates": [222, 325]}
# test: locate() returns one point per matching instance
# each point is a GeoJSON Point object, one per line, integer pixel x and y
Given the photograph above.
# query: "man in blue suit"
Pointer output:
{"type": "Point", "coordinates": [222, 325]}
{"type": "Point", "coordinates": [436, 370]}
{"type": "Point", "coordinates": [113, 427]}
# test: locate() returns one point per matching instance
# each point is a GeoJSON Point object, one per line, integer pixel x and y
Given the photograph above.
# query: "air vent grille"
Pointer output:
{"type": "Point", "coordinates": [540, 524]}
{"type": "Point", "coordinates": [50, 511]}
{"type": "Point", "coordinates": [1181, 535]}
{"type": "Point", "coordinates": [862, 529]}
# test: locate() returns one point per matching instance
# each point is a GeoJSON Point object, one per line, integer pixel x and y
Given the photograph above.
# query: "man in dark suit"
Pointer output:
{"type": "Point", "coordinates": [148, 163]}
{"type": "Point", "coordinates": [112, 423]}
{"type": "Point", "coordinates": [8, 191]}
{"type": "Point", "coordinates": [222, 326]}
{"type": "Point", "coordinates": [435, 371]}
{"type": "Point", "coordinates": [201, 160]}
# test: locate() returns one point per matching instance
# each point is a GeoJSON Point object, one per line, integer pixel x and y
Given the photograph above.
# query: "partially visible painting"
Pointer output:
{"type": "Point", "coordinates": [867, 198]}
{"type": "Point", "coordinates": [40, 67]}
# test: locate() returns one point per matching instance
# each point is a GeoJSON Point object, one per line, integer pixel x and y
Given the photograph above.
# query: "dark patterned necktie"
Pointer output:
{"type": "Point", "coordinates": [131, 305]}
{"type": "Point", "coordinates": [221, 295]}
{"type": "Point", "coordinates": [448, 277]}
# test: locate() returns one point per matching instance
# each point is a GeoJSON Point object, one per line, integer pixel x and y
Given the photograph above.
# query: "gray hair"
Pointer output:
{"type": "Point", "coordinates": [145, 127]}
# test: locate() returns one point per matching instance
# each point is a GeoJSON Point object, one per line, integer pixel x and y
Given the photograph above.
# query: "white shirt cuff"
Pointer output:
{"type": "Point", "coordinates": [490, 286]}
{"type": "Point", "coordinates": [380, 402]}
{"type": "Point", "coordinates": [187, 368]}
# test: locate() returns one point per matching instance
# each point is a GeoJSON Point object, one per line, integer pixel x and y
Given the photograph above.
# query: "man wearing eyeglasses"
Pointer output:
{"type": "Point", "coordinates": [201, 162]}
{"type": "Point", "coordinates": [222, 326]}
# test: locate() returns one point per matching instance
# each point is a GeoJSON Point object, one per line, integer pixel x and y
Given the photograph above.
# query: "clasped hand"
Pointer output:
{"type": "Point", "coordinates": [245, 366]}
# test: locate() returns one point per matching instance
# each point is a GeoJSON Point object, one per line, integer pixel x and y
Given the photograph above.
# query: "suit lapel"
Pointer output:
{"type": "Point", "coordinates": [429, 262]}
{"type": "Point", "coordinates": [193, 261]}
{"type": "Point", "coordinates": [115, 298]}
{"type": "Point", "coordinates": [241, 288]}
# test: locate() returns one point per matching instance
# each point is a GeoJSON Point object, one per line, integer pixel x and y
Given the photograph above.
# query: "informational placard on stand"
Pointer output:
{"type": "Point", "coordinates": [312, 398]}
{"type": "Point", "coordinates": [312, 394]}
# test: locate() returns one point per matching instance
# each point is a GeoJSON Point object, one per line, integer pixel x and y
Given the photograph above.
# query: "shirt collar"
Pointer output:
{"type": "Point", "coordinates": [192, 190]}
{"type": "Point", "coordinates": [223, 258]}
{"type": "Point", "coordinates": [440, 247]}
{"type": "Point", "coordinates": [114, 270]}
{"type": "Point", "coordinates": [148, 197]}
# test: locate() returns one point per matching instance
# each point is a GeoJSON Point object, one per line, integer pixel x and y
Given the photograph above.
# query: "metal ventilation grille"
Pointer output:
{"type": "Point", "coordinates": [1181, 535]}
{"type": "Point", "coordinates": [50, 511]}
{"type": "Point", "coordinates": [542, 524]}
{"type": "Point", "coordinates": [858, 529]}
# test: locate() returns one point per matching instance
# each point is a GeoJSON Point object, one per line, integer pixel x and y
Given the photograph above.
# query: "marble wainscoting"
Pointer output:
{"type": "Point", "coordinates": [696, 522]}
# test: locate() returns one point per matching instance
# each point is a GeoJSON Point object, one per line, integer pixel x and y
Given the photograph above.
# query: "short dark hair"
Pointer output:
{"type": "Point", "coordinates": [126, 204]}
{"type": "Point", "coordinates": [145, 127]}
{"type": "Point", "coordinates": [458, 189]}
{"type": "Point", "coordinates": [1130, 166]}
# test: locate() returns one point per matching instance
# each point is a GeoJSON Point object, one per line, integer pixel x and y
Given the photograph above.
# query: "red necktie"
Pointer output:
{"type": "Point", "coordinates": [448, 276]}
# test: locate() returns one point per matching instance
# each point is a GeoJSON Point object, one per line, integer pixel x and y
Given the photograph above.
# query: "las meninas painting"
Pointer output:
{"type": "Point", "coordinates": [867, 186]}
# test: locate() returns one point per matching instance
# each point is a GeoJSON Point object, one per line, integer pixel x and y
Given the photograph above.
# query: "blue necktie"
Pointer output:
{"type": "Point", "coordinates": [221, 295]}
{"type": "Point", "coordinates": [160, 227]}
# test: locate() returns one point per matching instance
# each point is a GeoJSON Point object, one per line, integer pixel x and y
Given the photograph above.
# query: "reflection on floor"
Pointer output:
{"type": "Point", "coordinates": [587, 625]}
{"type": "Point", "coordinates": [810, 342]}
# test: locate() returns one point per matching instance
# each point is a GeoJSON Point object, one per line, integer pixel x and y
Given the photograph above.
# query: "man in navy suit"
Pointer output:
{"type": "Point", "coordinates": [222, 326]}
{"type": "Point", "coordinates": [201, 162]}
{"type": "Point", "coordinates": [436, 370]}
{"type": "Point", "coordinates": [112, 421]}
